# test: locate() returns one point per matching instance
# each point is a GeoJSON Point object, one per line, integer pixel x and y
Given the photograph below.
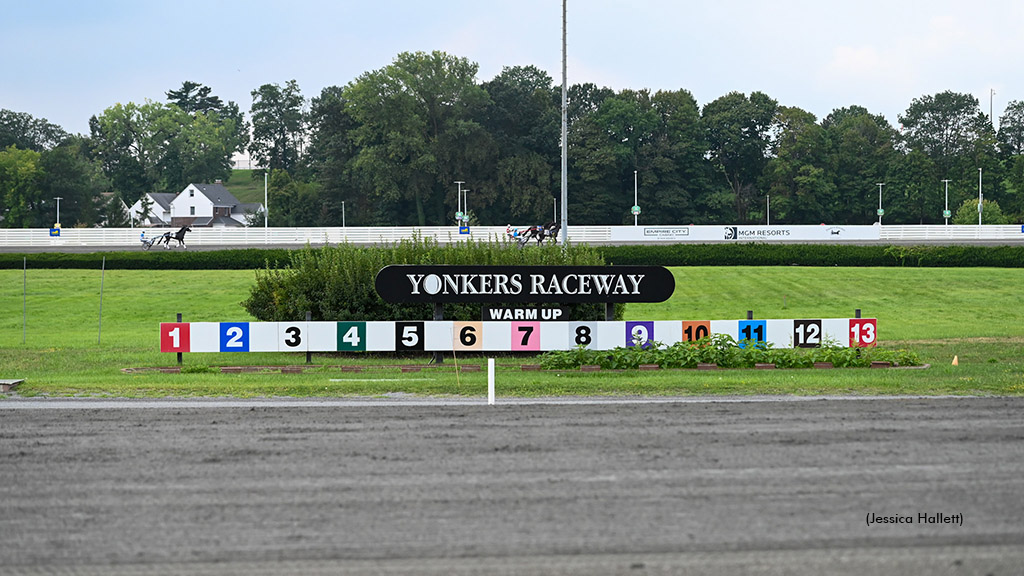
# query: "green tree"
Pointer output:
{"type": "Point", "coordinates": [330, 155]}
{"type": "Point", "coordinates": [738, 135]}
{"type": "Point", "coordinates": [862, 147]}
{"type": "Point", "coordinates": [68, 173]}
{"type": "Point", "coordinates": [675, 177]}
{"type": "Point", "coordinates": [524, 122]}
{"type": "Point", "coordinates": [198, 148]}
{"type": "Point", "coordinates": [1014, 201]}
{"type": "Point", "coordinates": [126, 143]}
{"type": "Point", "coordinates": [193, 97]}
{"type": "Point", "coordinates": [1011, 130]}
{"type": "Point", "coordinates": [28, 133]}
{"type": "Point", "coordinates": [912, 191]}
{"type": "Point", "coordinates": [798, 176]}
{"type": "Point", "coordinates": [296, 203]}
{"type": "Point", "coordinates": [195, 100]}
{"type": "Point", "coordinates": [20, 194]}
{"type": "Point", "coordinates": [278, 126]}
{"type": "Point", "coordinates": [416, 134]}
{"type": "Point", "coordinates": [968, 212]}
{"type": "Point", "coordinates": [608, 154]}
{"type": "Point", "coordinates": [952, 130]}
{"type": "Point", "coordinates": [160, 148]}
{"type": "Point", "coordinates": [945, 127]}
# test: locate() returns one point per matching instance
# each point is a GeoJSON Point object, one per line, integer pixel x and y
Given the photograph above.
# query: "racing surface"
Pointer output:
{"type": "Point", "coordinates": [420, 487]}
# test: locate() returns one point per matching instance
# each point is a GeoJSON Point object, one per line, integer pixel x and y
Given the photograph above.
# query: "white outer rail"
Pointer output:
{"type": "Point", "coordinates": [258, 236]}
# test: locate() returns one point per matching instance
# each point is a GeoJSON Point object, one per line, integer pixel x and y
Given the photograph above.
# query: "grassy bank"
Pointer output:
{"type": "Point", "coordinates": [66, 346]}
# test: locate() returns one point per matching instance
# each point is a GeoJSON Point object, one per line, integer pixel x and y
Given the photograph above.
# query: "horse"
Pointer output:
{"type": "Point", "coordinates": [178, 236]}
{"type": "Point", "coordinates": [549, 230]}
{"type": "Point", "coordinates": [529, 234]}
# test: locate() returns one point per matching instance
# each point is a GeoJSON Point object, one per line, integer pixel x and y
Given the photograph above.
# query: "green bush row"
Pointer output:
{"type": "Point", "coordinates": [337, 282]}
{"type": "Point", "coordinates": [156, 259]}
{"type": "Point", "coordinates": [724, 351]}
{"type": "Point", "coordinates": [959, 256]}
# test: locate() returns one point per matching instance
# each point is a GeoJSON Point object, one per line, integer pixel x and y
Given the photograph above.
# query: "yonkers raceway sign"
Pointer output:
{"type": "Point", "coordinates": [524, 284]}
{"type": "Point", "coordinates": [802, 233]}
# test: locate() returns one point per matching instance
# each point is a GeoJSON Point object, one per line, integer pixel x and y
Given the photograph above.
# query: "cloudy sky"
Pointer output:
{"type": "Point", "coordinates": [66, 60]}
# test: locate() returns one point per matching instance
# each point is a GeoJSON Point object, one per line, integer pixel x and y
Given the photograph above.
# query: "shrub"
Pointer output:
{"type": "Point", "coordinates": [337, 282]}
{"type": "Point", "coordinates": [722, 350]}
{"type": "Point", "coordinates": [640, 255]}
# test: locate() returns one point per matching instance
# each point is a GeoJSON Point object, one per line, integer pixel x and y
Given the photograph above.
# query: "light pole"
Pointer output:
{"type": "Point", "coordinates": [266, 201]}
{"type": "Point", "coordinates": [981, 198]}
{"type": "Point", "coordinates": [458, 200]}
{"type": "Point", "coordinates": [991, 118]}
{"type": "Point", "coordinates": [565, 138]}
{"type": "Point", "coordinates": [635, 203]}
{"type": "Point", "coordinates": [58, 199]}
{"type": "Point", "coordinates": [945, 212]}
{"type": "Point", "coordinates": [768, 209]}
{"type": "Point", "coordinates": [880, 211]}
{"type": "Point", "coordinates": [342, 213]}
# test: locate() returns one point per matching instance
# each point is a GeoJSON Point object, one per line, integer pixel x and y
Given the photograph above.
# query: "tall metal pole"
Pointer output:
{"type": "Point", "coordinates": [458, 200]}
{"type": "Point", "coordinates": [58, 199]}
{"type": "Point", "coordinates": [981, 199]}
{"type": "Point", "coordinates": [342, 213]}
{"type": "Point", "coordinates": [635, 203]}
{"type": "Point", "coordinates": [991, 118]}
{"type": "Point", "coordinates": [768, 209]}
{"type": "Point", "coordinates": [266, 202]}
{"type": "Point", "coordinates": [565, 141]}
{"type": "Point", "coordinates": [946, 210]}
{"type": "Point", "coordinates": [880, 184]}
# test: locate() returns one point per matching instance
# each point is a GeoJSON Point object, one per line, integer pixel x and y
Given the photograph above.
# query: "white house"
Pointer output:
{"type": "Point", "coordinates": [202, 205]}
{"type": "Point", "coordinates": [159, 210]}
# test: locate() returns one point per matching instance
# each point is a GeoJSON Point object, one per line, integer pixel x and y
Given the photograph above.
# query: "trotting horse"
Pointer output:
{"type": "Point", "coordinates": [179, 236]}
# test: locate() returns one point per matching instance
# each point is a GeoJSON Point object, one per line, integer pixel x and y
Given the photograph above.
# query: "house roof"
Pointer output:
{"type": "Point", "coordinates": [217, 194]}
{"type": "Point", "coordinates": [225, 221]}
{"type": "Point", "coordinates": [248, 208]}
{"type": "Point", "coordinates": [163, 199]}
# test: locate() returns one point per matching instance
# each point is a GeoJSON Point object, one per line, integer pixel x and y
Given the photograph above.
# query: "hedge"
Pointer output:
{"type": "Point", "coordinates": [337, 283]}
{"type": "Point", "coordinates": [958, 256]}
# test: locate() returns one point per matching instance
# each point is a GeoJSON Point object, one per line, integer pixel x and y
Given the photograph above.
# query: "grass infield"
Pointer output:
{"type": "Point", "coordinates": [55, 337]}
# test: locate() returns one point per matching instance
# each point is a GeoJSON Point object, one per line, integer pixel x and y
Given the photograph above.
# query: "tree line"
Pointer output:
{"type": "Point", "coordinates": [389, 146]}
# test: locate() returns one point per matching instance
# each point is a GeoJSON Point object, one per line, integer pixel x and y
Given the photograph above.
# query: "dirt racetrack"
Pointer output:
{"type": "Point", "coordinates": [422, 487]}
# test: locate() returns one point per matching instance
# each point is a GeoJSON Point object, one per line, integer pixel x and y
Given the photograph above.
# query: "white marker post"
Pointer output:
{"type": "Point", "coordinates": [490, 381]}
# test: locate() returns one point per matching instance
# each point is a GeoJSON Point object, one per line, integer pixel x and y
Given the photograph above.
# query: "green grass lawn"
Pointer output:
{"type": "Point", "coordinates": [243, 187]}
{"type": "Point", "coordinates": [66, 348]}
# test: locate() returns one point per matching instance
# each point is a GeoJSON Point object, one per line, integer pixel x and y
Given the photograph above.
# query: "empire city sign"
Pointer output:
{"type": "Point", "coordinates": [538, 284]}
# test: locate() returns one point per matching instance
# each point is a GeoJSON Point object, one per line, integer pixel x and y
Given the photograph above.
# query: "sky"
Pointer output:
{"type": "Point", "coordinates": [67, 60]}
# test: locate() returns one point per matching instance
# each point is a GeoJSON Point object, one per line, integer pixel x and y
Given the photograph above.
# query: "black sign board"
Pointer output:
{"type": "Point", "coordinates": [514, 284]}
{"type": "Point", "coordinates": [523, 313]}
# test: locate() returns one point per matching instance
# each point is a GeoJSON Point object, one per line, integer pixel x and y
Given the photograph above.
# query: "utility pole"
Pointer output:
{"type": "Point", "coordinates": [981, 198]}
{"type": "Point", "coordinates": [945, 212]}
{"type": "Point", "coordinates": [880, 211]}
{"type": "Point", "coordinates": [565, 141]}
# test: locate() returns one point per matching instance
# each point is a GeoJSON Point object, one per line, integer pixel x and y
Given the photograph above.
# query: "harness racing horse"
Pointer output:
{"type": "Point", "coordinates": [178, 236]}
{"type": "Point", "coordinates": [549, 230]}
{"type": "Point", "coordinates": [538, 233]}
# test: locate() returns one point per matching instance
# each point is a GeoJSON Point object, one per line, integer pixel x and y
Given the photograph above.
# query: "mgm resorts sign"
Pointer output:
{"type": "Point", "coordinates": [514, 284]}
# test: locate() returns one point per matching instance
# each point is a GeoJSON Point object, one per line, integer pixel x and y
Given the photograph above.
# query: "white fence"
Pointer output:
{"type": "Point", "coordinates": [256, 236]}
